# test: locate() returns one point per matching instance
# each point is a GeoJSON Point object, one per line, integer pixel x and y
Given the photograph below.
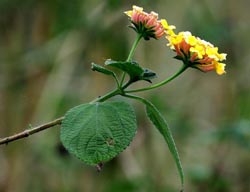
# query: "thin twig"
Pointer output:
{"type": "Point", "coordinates": [29, 132]}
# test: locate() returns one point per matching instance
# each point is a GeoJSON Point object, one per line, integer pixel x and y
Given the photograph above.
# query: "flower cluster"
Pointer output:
{"type": "Point", "coordinates": [196, 53]}
{"type": "Point", "coordinates": [147, 24]}
{"type": "Point", "coordinates": [193, 51]}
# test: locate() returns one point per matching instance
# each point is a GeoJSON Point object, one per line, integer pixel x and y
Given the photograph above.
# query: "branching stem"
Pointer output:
{"type": "Point", "coordinates": [120, 90]}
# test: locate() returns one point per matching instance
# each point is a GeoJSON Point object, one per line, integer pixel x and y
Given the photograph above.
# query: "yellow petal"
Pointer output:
{"type": "Point", "coordinates": [220, 68]}
{"type": "Point", "coordinates": [222, 56]}
{"type": "Point", "coordinates": [128, 13]}
{"type": "Point", "coordinates": [192, 40]}
{"type": "Point", "coordinates": [164, 23]}
{"type": "Point", "coordinates": [166, 26]}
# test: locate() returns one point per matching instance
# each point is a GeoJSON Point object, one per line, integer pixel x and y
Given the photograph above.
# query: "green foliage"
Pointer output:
{"type": "Point", "coordinates": [161, 124]}
{"type": "Point", "coordinates": [98, 132]}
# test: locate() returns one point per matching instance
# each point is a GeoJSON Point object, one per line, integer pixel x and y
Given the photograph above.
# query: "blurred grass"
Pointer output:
{"type": "Point", "coordinates": [46, 48]}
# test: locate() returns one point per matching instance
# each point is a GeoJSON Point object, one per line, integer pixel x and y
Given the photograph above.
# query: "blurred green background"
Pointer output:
{"type": "Point", "coordinates": [46, 48]}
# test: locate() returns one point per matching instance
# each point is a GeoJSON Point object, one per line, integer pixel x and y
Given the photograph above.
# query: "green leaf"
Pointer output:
{"type": "Point", "coordinates": [133, 69]}
{"type": "Point", "coordinates": [98, 132]}
{"type": "Point", "coordinates": [101, 69]}
{"type": "Point", "coordinates": [160, 123]}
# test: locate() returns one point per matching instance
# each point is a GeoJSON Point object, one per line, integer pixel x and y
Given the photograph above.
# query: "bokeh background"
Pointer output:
{"type": "Point", "coordinates": [46, 48]}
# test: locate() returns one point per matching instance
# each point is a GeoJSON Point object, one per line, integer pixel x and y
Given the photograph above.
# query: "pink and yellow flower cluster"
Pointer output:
{"type": "Point", "coordinates": [196, 53]}
{"type": "Point", "coordinates": [147, 24]}
{"type": "Point", "coordinates": [193, 51]}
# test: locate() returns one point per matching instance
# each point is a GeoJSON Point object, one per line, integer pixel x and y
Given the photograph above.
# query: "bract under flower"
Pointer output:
{"type": "Point", "coordinates": [147, 24]}
{"type": "Point", "coordinates": [196, 53]}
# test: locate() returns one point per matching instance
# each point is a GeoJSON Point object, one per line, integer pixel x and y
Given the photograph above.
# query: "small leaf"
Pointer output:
{"type": "Point", "coordinates": [98, 132]}
{"type": "Point", "coordinates": [161, 124]}
{"type": "Point", "coordinates": [101, 69]}
{"type": "Point", "coordinates": [133, 69]}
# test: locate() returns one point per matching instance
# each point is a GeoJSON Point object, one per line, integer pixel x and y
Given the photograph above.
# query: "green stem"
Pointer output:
{"type": "Point", "coordinates": [116, 80]}
{"type": "Point", "coordinates": [184, 67]}
{"type": "Point", "coordinates": [131, 53]}
{"type": "Point", "coordinates": [126, 85]}
{"type": "Point", "coordinates": [107, 96]}
{"type": "Point", "coordinates": [146, 102]}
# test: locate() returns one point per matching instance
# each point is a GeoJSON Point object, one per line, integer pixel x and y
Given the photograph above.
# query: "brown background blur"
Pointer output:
{"type": "Point", "coordinates": [46, 48]}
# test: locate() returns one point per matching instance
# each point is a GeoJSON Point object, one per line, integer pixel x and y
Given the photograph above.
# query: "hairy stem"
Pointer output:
{"type": "Point", "coordinates": [29, 132]}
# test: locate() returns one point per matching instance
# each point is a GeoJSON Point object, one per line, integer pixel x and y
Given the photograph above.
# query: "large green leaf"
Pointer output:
{"type": "Point", "coordinates": [160, 123]}
{"type": "Point", "coordinates": [98, 132]}
{"type": "Point", "coordinates": [133, 69]}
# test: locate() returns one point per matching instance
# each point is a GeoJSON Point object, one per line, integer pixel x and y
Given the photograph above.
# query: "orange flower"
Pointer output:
{"type": "Point", "coordinates": [146, 24]}
{"type": "Point", "coordinates": [196, 53]}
